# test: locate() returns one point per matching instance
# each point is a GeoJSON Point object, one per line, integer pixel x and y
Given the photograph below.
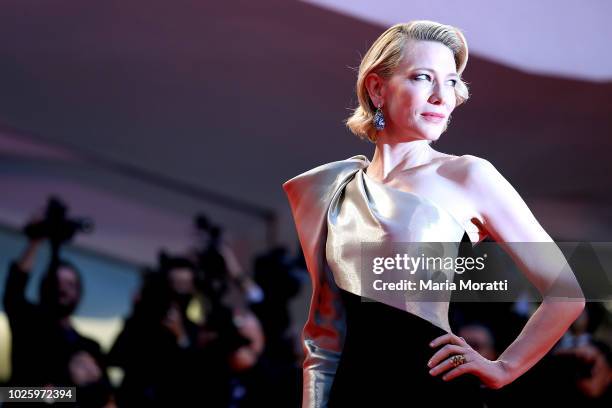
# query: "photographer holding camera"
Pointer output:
{"type": "Point", "coordinates": [46, 349]}
{"type": "Point", "coordinates": [156, 348]}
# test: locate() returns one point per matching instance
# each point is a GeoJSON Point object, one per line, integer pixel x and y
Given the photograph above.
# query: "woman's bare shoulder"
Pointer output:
{"type": "Point", "coordinates": [466, 159]}
{"type": "Point", "coordinates": [467, 168]}
{"type": "Point", "coordinates": [479, 179]}
{"type": "Point", "coordinates": [475, 177]}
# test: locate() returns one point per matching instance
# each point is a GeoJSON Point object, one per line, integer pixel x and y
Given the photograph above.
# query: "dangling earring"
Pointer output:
{"type": "Point", "coordinates": [379, 118]}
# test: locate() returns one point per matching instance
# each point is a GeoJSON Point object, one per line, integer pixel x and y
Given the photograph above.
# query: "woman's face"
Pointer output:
{"type": "Point", "coordinates": [420, 96]}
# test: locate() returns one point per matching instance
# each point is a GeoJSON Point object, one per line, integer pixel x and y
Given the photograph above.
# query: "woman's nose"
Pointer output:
{"type": "Point", "coordinates": [439, 95]}
{"type": "Point", "coordinates": [436, 97]}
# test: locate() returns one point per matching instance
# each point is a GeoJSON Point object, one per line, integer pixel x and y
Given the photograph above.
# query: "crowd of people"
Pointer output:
{"type": "Point", "coordinates": [204, 332]}
{"type": "Point", "coordinates": [201, 332]}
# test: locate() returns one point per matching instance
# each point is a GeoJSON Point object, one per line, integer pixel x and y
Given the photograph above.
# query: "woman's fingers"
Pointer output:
{"type": "Point", "coordinates": [444, 353]}
{"type": "Point", "coordinates": [459, 370]}
{"type": "Point", "coordinates": [442, 360]}
{"type": "Point", "coordinates": [448, 338]}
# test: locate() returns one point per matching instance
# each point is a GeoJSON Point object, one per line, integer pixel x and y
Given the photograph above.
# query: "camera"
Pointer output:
{"type": "Point", "coordinates": [56, 226]}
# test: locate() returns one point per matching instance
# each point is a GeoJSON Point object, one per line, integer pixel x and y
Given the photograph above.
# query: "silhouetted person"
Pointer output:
{"type": "Point", "coordinates": [157, 347]}
{"type": "Point", "coordinates": [43, 340]}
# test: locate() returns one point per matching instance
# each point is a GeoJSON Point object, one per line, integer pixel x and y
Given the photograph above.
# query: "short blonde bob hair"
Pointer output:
{"type": "Point", "coordinates": [385, 55]}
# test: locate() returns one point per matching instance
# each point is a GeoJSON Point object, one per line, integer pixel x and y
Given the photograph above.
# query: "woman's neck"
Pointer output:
{"type": "Point", "coordinates": [390, 157]}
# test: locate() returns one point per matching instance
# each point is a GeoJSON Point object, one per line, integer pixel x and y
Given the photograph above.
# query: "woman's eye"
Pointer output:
{"type": "Point", "coordinates": [427, 77]}
{"type": "Point", "coordinates": [423, 76]}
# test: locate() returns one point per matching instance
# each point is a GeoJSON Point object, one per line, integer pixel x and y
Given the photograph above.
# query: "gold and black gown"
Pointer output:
{"type": "Point", "coordinates": [374, 353]}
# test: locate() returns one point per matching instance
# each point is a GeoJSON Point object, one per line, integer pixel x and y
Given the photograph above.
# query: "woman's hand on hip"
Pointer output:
{"type": "Point", "coordinates": [493, 374]}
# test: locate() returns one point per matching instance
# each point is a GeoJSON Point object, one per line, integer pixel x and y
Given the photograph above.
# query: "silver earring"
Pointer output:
{"type": "Point", "coordinates": [379, 118]}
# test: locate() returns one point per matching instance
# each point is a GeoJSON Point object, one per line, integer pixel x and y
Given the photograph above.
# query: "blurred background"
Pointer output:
{"type": "Point", "coordinates": [144, 144]}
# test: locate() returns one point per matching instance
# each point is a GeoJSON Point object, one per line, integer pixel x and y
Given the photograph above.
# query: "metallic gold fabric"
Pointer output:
{"type": "Point", "coordinates": [337, 207]}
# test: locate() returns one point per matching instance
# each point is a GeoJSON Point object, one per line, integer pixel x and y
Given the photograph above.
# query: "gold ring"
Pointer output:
{"type": "Point", "coordinates": [457, 360]}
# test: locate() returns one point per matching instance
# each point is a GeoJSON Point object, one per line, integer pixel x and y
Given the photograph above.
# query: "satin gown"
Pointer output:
{"type": "Point", "coordinates": [374, 353]}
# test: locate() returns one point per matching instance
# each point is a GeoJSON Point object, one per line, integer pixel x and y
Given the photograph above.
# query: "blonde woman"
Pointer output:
{"type": "Point", "coordinates": [382, 353]}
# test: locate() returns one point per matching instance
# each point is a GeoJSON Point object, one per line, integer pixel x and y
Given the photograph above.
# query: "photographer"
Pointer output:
{"type": "Point", "coordinates": [231, 340]}
{"type": "Point", "coordinates": [223, 276]}
{"type": "Point", "coordinates": [581, 375]}
{"type": "Point", "coordinates": [43, 339]}
{"type": "Point", "coordinates": [156, 347]}
{"type": "Point", "coordinates": [586, 360]}
{"type": "Point", "coordinates": [46, 348]}
{"type": "Point", "coordinates": [42, 336]}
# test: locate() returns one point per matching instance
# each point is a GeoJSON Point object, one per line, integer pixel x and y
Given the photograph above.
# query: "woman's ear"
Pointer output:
{"type": "Point", "coordinates": [375, 86]}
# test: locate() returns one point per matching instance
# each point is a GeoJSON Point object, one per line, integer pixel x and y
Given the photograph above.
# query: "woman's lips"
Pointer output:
{"type": "Point", "coordinates": [433, 117]}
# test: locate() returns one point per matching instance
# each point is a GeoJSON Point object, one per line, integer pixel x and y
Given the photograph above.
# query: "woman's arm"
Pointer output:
{"type": "Point", "coordinates": [508, 220]}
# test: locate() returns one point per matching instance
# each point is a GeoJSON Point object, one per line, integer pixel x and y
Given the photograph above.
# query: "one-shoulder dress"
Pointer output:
{"type": "Point", "coordinates": [370, 353]}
